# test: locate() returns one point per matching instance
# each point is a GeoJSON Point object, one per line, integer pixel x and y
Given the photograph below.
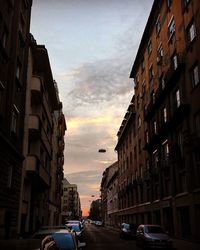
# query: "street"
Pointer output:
{"type": "Point", "coordinates": [101, 238]}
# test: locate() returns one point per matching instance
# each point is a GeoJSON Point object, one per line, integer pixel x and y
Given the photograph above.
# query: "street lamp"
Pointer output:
{"type": "Point", "coordinates": [102, 150]}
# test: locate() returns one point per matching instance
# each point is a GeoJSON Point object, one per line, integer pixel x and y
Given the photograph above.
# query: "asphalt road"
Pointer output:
{"type": "Point", "coordinates": [101, 238]}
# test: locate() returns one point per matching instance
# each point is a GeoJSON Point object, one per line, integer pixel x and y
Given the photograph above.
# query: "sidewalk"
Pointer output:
{"type": "Point", "coordinates": [185, 245]}
{"type": "Point", "coordinates": [177, 243]}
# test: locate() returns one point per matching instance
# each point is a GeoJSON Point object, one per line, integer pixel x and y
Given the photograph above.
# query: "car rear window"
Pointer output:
{"type": "Point", "coordinates": [64, 241]}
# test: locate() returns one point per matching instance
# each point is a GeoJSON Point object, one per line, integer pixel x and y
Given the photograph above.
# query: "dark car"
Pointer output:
{"type": "Point", "coordinates": [127, 230]}
{"type": "Point", "coordinates": [152, 236]}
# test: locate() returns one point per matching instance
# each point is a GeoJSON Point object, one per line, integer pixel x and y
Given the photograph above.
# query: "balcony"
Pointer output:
{"type": "Point", "coordinates": [34, 126]}
{"type": "Point", "coordinates": [36, 90]}
{"type": "Point", "coordinates": [36, 171]}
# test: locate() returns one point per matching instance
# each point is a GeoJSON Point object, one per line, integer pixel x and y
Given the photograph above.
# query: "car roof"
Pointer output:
{"type": "Point", "coordinates": [45, 232]}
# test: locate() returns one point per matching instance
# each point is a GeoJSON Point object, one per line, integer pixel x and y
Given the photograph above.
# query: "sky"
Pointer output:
{"type": "Point", "coordinates": [91, 45]}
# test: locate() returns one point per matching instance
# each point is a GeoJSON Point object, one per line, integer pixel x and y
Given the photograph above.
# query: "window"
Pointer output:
{"type": "Point", "coordinates": [151, 72]}
{"type": "Point", "coordinates": [2, 88]}
{"type": "Point", "coordinates": [185, 3]}
{"type": "Point", "coordinates": [171, 28]}
{"type": "Point", "coordinates": [9, 176]}
{"type": "Point", "coordinates": [175, 61]}
{"type": "Point", "coordinates": [153, 97]}
{"type": "Point", "coordinates": [4, 37]}
{"type": "Point", "coordinates": [14, 119]}
{"type": "Point", "coordinates": [146, 136]}
{"type": "Point", "coordinates": [195, 75]}
{"type": "Point", "coordinates": [162, 81]}
{"type": "Point", "coordinates": [142, 64]}
{"type": "Point", "coordinates": [158, 26]}
{"type": "Point", "coordinates": [191, 32]}
{"type": "Point", "coordinates": [159, 53]}
{"type": "Point", "coordinates": [155, 158]}
{"type": "Point", "coordinates": [18, 70]}
{"type": "Point", "coordinates": [155, 127]}
{"type": "Point", "coordinates": [165, 150]}
{"type": "Point", "coordinates": [139, 122]}
{"type": "Point", "coordinates": [177, 98]}
{"type": "Point", "coordinates": [149, 47]}
{"type": "Point", "coordinates": [164, 114]}
{"type": "Point", "coordinates": [169, 3]}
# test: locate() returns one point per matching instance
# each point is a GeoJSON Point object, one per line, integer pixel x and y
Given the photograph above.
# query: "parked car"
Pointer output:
{"type": "Point", "coordinates": [74, 222]}
{"type": "Point", "coordinates": [152, 236]}
{"type": "Point", "coordinates": [127, 230]}
{"type": "Point", "coordinates": [98, 223]}
{"type": "Point", "coordinates": [77, 229]}
{"type": "Point", "coordinates": [65, 239]}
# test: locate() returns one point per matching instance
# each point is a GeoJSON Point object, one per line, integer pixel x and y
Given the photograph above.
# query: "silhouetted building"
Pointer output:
{"type": "Point", "coordinates": [43, 145]}
{"type": "Point", "coordinates": [14, 33]}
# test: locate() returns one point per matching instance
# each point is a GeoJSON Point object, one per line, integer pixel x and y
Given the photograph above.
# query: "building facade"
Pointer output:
{"type": "Point", "coordinates": [14, 34]}
{"type": "Point", "coordinates": [166, 174]}
{"type": "Point", "coordinates": [71, 207]}
{"type": "Point", "coordinates": [42, 145]}
{"type": "Point", "coordinates": [109, 194]}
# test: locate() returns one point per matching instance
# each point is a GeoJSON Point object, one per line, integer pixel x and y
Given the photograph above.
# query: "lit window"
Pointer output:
{"type": "Point", "coordinates": [175, 61]}
{"type": "Point", "coordinates": [178, 100]}
{"type": "Point", "coordinates": [155, 127]}
{"type": "Point", "coordinates": [169, 3]}
{"type": "Point", "coordinates": [158, 25]}
{"type": "Point", "coordinates": [191, 32]}
{"type": "Point", "coordinates": [14, 119]}
{"type": "Point", "coordinates": [171, 28]}
{"type": "Point", "coordinates": [195, 75]}
{"type": "Point", "coordinates": [149, 47]}
{"type": "Point", "coordinates": [164, 114]}
{"type": "Point", "coordinates": [159, 53]}
{"type": "Point", "coordinates": [139, 122]}
{"type": "Point", "coordinates": [162, 81]}
{"type": "Point", "coordinates": [150, 72]}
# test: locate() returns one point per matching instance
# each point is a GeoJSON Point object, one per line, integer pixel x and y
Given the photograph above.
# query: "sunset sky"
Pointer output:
{"type": "Point", "coordinates": [91, 46]}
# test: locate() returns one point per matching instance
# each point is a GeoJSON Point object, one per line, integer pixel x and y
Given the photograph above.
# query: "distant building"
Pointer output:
{"type": "Point", "coordinates": [14, 34]}
{"type": "Point", "coordinates": [95, 210]}
{"type": "Point", "coordinates": [109, 194]}
{"type": "Point", "coordinates": [71, 207]}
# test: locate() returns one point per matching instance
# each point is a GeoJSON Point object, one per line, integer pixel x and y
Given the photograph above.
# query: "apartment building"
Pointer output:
{"type": "Point", "coordinates": [109, 194]}
{"type": "Point", "coordinates": [43, 145]}
{"type": "Point", "coordinates": [167, 122]}
{"type": "Point", "coordinates": [14, 30]}
{"type": "Point", "coordinates": [71, 207]}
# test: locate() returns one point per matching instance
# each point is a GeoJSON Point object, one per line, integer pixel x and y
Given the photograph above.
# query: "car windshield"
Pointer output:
{"type": "Point", "coordinates": [154, 229]}
{"type": "Point", "coordinates": [64, 241]}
